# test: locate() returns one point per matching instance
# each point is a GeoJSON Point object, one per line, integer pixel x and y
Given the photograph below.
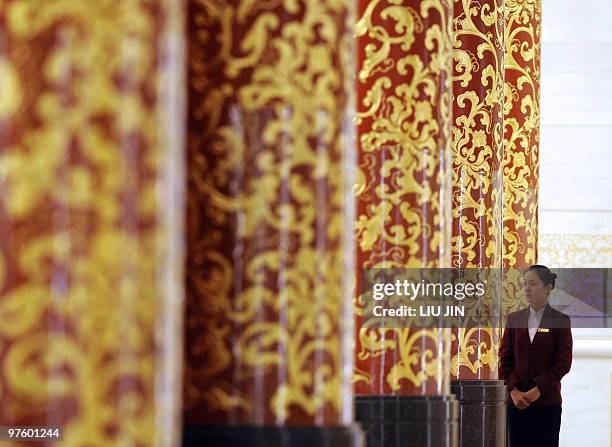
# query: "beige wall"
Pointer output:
{"type": "Point", "coordinates": [576, 107]}
{"type": "Point", "coordinates": [575, 215]}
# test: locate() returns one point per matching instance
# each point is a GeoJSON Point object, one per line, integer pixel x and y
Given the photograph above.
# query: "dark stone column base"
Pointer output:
{"type": "Point", "coordinates": [408, 421]}
{"type": "Point", "coordinates": [482, 412]}
{"type": "Point", "coordinates": [271, 436]}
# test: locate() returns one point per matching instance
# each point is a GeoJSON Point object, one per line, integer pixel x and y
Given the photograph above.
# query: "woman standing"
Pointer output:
{"type": "Point", "coordinates": [535, 353]}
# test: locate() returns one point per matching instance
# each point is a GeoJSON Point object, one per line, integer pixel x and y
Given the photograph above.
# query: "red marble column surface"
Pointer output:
{"type": "Point", "coordinates": [403, 180]}
{"type": "Point", "coordinates": [270, 140]}
{"type": "Point", "coordinates": [523, 33]}
{"type": "Point", "coordinates": [91, 168]}
{"type": "Point", "coordinates": [477, 149]}
{"type": "Point", "coordinates": [523, 40]}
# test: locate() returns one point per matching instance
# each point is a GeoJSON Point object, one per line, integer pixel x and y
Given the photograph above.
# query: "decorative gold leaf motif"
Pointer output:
{"type": "Point", "coordinates": [403, 120]}
{"type": "Point", "coordinates": [478, 88]}
{"type": "Point", "coordinates": [269, 115]}
{"type": "Point", "coordinates": [521, 130]}
{"type": "Point", "coordinates": [89, 261]}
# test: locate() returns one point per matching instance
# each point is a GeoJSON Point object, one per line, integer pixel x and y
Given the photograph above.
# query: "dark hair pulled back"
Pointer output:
{"type": "Point", "coordinates": [543, 273]}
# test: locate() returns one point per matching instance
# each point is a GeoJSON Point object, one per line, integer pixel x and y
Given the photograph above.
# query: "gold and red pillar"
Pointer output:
{"type": "Point", "coordinates": [91, 169]}
{"type": "Point", "coordinates": [523, 40]}
{"type": "Point", "coordinates": [403, 212]}
{"type": "Point", "coordinates": [477, 203]}
{"type": "Point", "coordinates": [523, 34]}
{"type": "Point", "coordinates": [269, 226]}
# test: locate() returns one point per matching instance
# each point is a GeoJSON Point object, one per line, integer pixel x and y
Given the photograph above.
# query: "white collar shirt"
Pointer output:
{"type": "Point", "coordinates": [535, 318]}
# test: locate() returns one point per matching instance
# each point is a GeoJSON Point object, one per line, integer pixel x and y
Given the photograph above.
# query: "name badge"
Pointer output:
{"type": "Point", "coordinates": [541, 329]}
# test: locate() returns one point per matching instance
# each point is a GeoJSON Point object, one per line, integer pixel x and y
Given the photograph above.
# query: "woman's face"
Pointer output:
{"type": "Point", "coordinates": [536, 291]}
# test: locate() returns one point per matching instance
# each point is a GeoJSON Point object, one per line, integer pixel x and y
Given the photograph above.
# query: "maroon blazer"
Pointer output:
{"type": "Point", "coordinates": [524, 365]}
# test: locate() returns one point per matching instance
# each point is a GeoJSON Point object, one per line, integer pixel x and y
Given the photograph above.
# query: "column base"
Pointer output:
{"type": "Point", "coordinates": [271, 436]}
{"type": "Point", "coordinates": [482, 412]}
{"type": "Point", "coordinates": [408, 421]}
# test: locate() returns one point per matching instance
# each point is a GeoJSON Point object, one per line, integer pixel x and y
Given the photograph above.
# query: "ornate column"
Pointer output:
{"type": "Point", "coordinates": [522, 41]}
{"type": "Point", "coordinates": [523, 34]}
{"type": "Point", "coordinates": [403, 212]}
{"type": "Point", "coordinates": [268, 326]}
{"type": "Point", "coordinates": [521, 131]}
{"type": "Point", "coordinates": [477, 148]}
{"type": "Point", "coordinates": [91, 168]}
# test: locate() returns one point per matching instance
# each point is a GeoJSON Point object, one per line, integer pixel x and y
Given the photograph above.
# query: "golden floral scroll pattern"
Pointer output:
{"type": "Point", "coordinates": [269, 118]}
{"type": "Point", "coordinates": [521, 131]}
{"type": "Point", "coordinates": [478, 95]}
{"type": "Point", "coordinates": [403, 218]}
{"type": "Point", "coordinates": [88, 247]}
{"type": "Point", "coordinates": [575, 250]}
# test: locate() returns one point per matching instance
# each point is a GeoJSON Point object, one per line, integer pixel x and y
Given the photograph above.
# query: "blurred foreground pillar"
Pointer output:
{"type": "Point", "coordinates": [269, 322]}
{"type": "Point", "coordinates": [91, 173]}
